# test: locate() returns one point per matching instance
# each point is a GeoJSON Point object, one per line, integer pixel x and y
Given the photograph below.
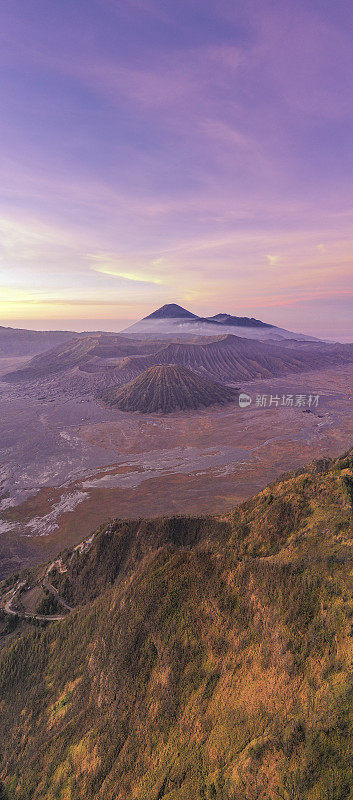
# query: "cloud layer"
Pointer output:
{"type": "Point", "coordinates": [191, 152]}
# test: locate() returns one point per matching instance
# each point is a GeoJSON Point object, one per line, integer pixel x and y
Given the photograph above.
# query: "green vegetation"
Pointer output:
{"type": "Point", "coordinates": [8, 624]}
{"type": "Point", "coordinates": [48, 605]}
{"type": "Point", "coordinates": [207, 659]}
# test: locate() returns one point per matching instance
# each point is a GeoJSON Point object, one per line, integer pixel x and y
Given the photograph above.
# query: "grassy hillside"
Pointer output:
{"type": "Point", "coordinates": [208, 659]}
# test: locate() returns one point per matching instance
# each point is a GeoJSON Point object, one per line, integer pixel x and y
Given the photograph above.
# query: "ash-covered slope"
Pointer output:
{"type": "Point", "coordinates": [94, 349]}
{"type": "Point", "coordinates": [163, 389]}
{"type": "Point", "coordinates": [231, 359]}
{"type": "Point", "coordinates": [207, 658]}
{"type": "Point", "coordinates": [100, 361]}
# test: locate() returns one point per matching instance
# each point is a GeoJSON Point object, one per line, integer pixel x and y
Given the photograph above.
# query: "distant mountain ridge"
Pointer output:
{"type": "Point", "coordinates": [22, 342]}
{"type": "Point", "coordinates": [172, 320]}
{"type": "Point", "coordinates": [174, 311]}
{"type": "Point", "coordinates": [76, 352]}
{"type": "Point", "coordinates": [231, 358]}
{"type": "Point", "coordinates": [229, 319]}
{"type": "Point", "coordinates": [102, 361]}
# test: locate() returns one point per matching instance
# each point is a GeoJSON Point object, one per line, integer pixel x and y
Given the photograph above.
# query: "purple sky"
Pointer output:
{"type": "Point", "coordinates": [191, 152]}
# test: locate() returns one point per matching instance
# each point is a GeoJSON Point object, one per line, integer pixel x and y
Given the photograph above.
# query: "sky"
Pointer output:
{"type": "Point", "coordinates": [192, 152]}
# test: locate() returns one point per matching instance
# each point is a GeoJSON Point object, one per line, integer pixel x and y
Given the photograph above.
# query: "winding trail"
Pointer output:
{"type": "Point", "coordinates": [52, 589]}
{"type": "Point", "coordinates": [7, 600]}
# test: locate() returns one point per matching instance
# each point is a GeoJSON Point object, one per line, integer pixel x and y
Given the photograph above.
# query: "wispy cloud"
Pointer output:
{"type": "Point", "coordinates": [198, 151]}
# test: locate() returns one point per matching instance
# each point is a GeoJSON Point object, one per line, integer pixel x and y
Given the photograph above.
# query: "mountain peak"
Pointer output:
{"type": "Point", "coordinates": [171, 311]}
{"type": "Point", "coordinates": [245, 322]}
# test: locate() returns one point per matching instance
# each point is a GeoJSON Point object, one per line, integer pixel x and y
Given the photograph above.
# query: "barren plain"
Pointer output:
{"type": "Point", "coordinates": [69, 463]}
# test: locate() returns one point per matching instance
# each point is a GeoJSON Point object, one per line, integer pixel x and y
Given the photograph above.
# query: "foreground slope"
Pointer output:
{"type": "Point", "coordinates": [169, 388]}
{"type": "Point", "coordinates": [207, 658]}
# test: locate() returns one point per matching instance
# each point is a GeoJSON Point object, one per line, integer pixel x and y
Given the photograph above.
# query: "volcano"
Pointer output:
{"type": "Point", "coordinates": [171, 311]}
{"type": "Point", "coordinates": [167, 388]}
